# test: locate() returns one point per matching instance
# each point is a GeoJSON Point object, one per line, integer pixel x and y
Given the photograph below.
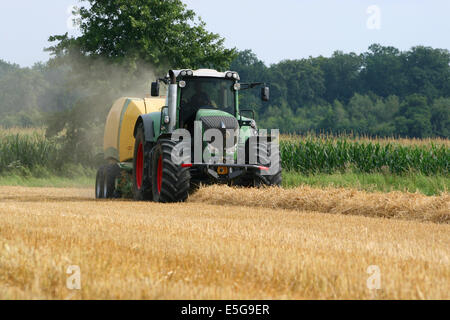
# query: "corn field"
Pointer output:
{"type": "Point", "coordinates": [308, 155]}
{"type": "Point", "coordinates": [28, 150]}
{"type": "Point", "coordinates": [329, 155]}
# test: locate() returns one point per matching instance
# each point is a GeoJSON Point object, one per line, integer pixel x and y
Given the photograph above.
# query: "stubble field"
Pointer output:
{"type": "Point", "coordinates": [280, 246]}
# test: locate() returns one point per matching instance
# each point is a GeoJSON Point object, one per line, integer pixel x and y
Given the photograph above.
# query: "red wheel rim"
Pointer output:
{"type": "Point", "coordinates": [159, 174]}
{"type": "Point", "coordinates": [140, 166]}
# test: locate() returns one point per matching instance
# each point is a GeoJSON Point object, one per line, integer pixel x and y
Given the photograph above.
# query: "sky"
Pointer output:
{"type": "Point", "coordinates": [274, 30]}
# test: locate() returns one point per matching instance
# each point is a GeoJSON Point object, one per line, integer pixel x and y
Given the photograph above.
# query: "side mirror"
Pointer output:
{"type": "Point", "coordinates": [265, 94]}
{"type": "Point", "coordinates": [155, 89]}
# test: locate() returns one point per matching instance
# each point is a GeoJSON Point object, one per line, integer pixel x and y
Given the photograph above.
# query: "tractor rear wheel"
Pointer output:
{"type": "Point", "coordinates": [142, 186]}
{"type": "Point", "coordinates": [171, 182]}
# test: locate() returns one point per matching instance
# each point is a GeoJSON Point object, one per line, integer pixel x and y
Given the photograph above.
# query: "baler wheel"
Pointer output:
{"type": "Point", "coordinates": [99, 183]}
{"type": "Point", "coordinates": [111, 172]}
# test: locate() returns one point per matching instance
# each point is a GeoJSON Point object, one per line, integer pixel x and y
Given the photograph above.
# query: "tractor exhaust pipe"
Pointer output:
{"type": "Point", "coordinates": [172, 98]}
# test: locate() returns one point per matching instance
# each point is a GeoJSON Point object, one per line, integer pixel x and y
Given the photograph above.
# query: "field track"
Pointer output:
{"type": "Point", "coordinates": [273, 248]}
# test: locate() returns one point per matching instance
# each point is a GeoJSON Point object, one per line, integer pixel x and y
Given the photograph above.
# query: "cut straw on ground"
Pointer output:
{"type": "Point", "coordinates": [144, 250]}
{"type": "Point", "coordinates": [393, 205]}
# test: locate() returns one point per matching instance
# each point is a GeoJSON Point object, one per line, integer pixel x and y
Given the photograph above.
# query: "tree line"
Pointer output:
{"type": "Point", "coordinates": [381, 92]}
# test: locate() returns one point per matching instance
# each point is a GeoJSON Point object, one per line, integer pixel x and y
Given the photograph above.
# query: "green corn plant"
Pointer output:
{"type": "Point", "coordinates": [328, 155]}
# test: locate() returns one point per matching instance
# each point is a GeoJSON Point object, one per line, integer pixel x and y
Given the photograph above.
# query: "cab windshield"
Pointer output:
{"type": "Point", "coordinates": [207, 93]}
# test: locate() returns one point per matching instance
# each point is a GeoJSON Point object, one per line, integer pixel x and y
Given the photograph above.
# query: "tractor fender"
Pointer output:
{"type": "Point", "coordinates": [167, 136]}
{"type": "Point", "coordinates": [149, 127]}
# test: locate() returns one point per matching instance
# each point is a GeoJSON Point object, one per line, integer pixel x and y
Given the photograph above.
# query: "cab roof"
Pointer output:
{"type": "Point", "coordinates": [204, 73]}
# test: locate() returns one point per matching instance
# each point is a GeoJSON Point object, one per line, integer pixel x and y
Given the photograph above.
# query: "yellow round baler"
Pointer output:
{"type": "Point", "coordinates": [119, 129]}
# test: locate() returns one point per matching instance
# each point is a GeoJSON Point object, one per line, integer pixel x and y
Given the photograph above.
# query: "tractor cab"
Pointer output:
{"type": "Point", "coordinates": [193, 91]}
{"type": "Point", "coordinates": [213, 94]}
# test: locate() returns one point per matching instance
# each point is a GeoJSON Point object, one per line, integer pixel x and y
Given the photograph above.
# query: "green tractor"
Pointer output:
{"type": "Point", "coordinates": [196, 135]}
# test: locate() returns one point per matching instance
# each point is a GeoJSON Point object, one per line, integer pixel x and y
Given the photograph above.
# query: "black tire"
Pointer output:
{"type": "Point", "coordinates": [274, 180]}
{"type": "Point", "coordinates": [171, 182]}
{"type": "Point", "coordinates": [264, 158]}
{"type": "Point", "coordinates": [260, 179]}
{"type": "Point", "coordinates": [99, 183]}
{"type": "Point", "coordinates": [111, 173]}
{"type": "Point", "coordinates": [142, 186]}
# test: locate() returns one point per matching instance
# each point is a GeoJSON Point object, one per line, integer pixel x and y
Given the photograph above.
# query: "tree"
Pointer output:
{"type": "Point", "coordinates": [440, 117]}
{"type": "Point", "coordinates": [161, 33]}
{"type": "Point", "coordinates": [383, 71]}
{"type": "Point", "coordinates": [359, 107]}
{"type": "Point", "coordinates": [6, 67]}
{"type": "Point", "coordinates": [20, 89]}
{"type": "Point", "coordinates": [341, 75]}
{"type": "Point", "coordinates": [250, 69]}
{"type": "Point", "coordinates": [428, 71]}
{"type": "Point", "coordinates": [414, 117]}
{"type": "Point", "coordinates": [335, 119]}
{"type": "Point", "coordinates": [248, 65]}
{"type": "Point", "coordinates": [300, 83]}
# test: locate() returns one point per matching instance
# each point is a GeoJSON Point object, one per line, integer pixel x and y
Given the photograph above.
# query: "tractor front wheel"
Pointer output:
{"type": "Point", "coordinates": [264, 156]}
{"type": "Point", "coordinates": [171, 182]}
